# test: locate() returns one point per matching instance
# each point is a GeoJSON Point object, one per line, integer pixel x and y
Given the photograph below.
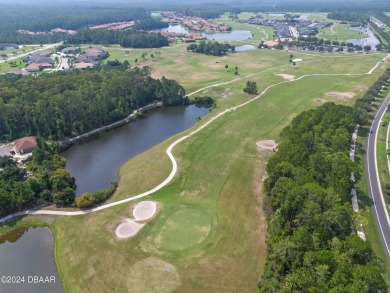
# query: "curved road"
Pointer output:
{"type": "Point", "coordinates": [169, 150]}
{"type": "Point", "coordinates": [372, 176]}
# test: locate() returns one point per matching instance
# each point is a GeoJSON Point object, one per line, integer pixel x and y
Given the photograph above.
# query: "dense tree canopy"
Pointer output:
{"type": "Point", "coordinates": [49, 183]}
{"type": "Point", "coordinates": [65, 104]}
{"type": "Point", "coordinates": [211, 48]}
{"type": "Point", "coordinates": [125, 38]}
{"type": "Point", "coordinates": [312, 244]}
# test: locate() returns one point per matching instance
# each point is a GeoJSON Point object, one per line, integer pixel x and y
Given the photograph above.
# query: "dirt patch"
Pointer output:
{"type": "Point", "coordinates": [153, 275]}
{"type": "Point", "coordinates": [286, 76]}
{"type": "Point", "coordinates": [341, 96]}
{"type": "Point", "coordinates": [318, 100]}
{"type": "Point", "coordinates": [144, 210]}
{"type": "Point", "coordinates": [128, 228]}
{"type": "Point", "coordinates": [266, 144]}
{"type": "Point", "coordinates": [5, 149]}
{"type": "Point", "coordinates": [226, 92]}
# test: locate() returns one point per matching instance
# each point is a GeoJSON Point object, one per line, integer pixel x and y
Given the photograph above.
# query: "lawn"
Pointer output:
{"type": "Point", "coordinates": [209, 235]}
{"type": "Point", "coordinates": [340, 32]}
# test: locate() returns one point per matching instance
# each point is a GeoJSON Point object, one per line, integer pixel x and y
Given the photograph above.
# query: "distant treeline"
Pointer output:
{"type": "Point", "coordinates": [349, 16]}
{"type": "Point", "coordinates": [65, 104]}
{"type": "Point", "coordinates": [125, 38]}
{"type": "Point", "coordinates": [47, 17]}
{"type": "Point", "coordinates": [383, 18]}
{"type": "Point", "coordinates": [312, 244]}
{"type": "Point", "coordinates": [73, 17]}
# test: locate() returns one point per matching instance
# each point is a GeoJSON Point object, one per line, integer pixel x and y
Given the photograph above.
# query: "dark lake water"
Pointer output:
{"type": "Point", "coordinates": [95, 162]}
{"type": "Point", "coordinates": [28, 253]}
{"type": "Point", "coordinates": [372, 40]}
{"type": "Point", "coordinates": [245, 48]}
{"type": "Point", "coordinates": [229, 36]}
{"type": "Point", "coordinates": [220, 37]}
{"type": "Point", "coordinates": [175, 29]}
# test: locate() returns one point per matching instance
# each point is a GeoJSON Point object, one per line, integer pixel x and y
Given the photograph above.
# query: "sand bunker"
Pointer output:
{"type": "Point", "coordinates": [286, 76]}
{"type": "Point", "coordinates": [341, 96]}
{"type": "Point", "coordinates": [266, 144]}
{"type": "Point", "coordinates": [128, 228]}
{"type": "Point", "coordinates": [318, 100]}
{"type": "Point", "coordinates": [144, 210]}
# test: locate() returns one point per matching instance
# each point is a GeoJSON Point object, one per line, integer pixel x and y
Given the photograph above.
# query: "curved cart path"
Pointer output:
{"type": "Point", "coordinates": [176, 142]}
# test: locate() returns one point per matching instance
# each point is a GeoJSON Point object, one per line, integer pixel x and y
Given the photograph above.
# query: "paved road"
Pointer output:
{"type": "Point", "coordinates": [378, 204]}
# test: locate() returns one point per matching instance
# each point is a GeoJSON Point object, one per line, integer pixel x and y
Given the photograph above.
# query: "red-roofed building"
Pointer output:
{"type": "Point", "coordinates": [25, 145]}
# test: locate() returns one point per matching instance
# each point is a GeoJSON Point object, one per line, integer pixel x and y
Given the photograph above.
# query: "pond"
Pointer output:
{"type": "Point", "coordinates": [27, 255]}
{"type": "Point", "coordinates": [372, 40]}
{"type": "Point", "coordinates": [95, 162]}
{"type": "Point", "coordinates": [175, 29]}
{"type": "Point", "coordinates": [245, 48]}
{"type": "Point", "coordinates": [228, 36]}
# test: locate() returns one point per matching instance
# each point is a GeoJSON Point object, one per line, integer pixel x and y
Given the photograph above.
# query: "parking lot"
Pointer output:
{"type": "Point", "coordinates": [5, 149]}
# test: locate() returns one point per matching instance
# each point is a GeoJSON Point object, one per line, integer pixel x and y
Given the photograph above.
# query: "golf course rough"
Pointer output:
{"type": "Point", "coordinates": [153, 275]}
{"type": "Point", "coordinates": [192, 225]}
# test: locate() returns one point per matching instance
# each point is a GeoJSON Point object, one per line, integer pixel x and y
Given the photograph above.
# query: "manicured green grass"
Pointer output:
{"type": "Point", "coordinates": [6, 66]}
{"type": "Point", "coordinates": [192, 225]}
{"type": "Point", "coordinates": [340, 32]}
{"type": "Point", "coordinates": [219, 176]}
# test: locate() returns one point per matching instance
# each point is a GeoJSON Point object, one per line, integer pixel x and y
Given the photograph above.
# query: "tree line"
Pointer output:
{"type": "Point", "coordinates": [312, 244]}
{"type": "Point", "coordinates": [126, 38]}
{"type": "Point", "coordinates": [353, 16]}
{"type": "Point", "coordinates": [211, 48]}
{"type": "Point", "coordinates": [65, 104]}
{"type": "Point", "coordinates": [364, 105]}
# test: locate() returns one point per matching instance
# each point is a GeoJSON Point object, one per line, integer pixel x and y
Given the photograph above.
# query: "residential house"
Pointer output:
{"type": "Point", "coordinates": [83, 65]}
{"type": "Point", "coordinates": [25, 145]}
{"type": "Point", "coordinates": [18, 73]}
{"type": "Point", "coordinates": [70, 50]}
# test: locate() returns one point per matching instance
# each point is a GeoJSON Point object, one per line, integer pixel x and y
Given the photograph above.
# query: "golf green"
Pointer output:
{"type": "Point", "coordinates": [184, 229]}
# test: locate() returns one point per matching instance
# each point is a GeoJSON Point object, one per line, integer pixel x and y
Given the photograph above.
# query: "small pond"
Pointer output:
{"type": "Point", "coordinates": [372, 40]}
{"type": "Point", "coordinates": [228, 36]}
{"type": "Point", "coordinates": [27, 255]}
{"type": "Point", "coordinates": [95, 161]}
{"type": "Point", "coordinates": [243, 48]}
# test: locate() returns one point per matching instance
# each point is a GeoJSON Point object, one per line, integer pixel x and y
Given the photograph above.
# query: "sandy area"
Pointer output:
{"type": "Point", "coordinates": [341, 96]}
{"type": "Point", "coordinates": [128, 228]}
{"type": "Point", "coordinates": [286, 76]}
{"type": "Point", "coordinates": [320, 100]}
{"type": "Point", "coordinates": [266, 144]}
{"type": "Point", "coordinates": [144, 210]}
{"type": "Point", "coordinates": [5, 149]}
